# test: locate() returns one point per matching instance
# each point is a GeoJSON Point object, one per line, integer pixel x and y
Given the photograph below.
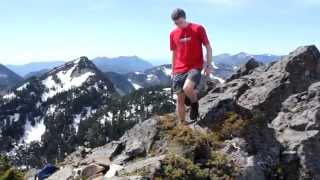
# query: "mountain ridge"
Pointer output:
{"type": "Point", "coordinates": [8, 79]}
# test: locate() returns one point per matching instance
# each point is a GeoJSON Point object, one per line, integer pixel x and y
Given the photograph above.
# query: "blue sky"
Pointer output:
{"type": "Point", "coordinates": [43, 30]}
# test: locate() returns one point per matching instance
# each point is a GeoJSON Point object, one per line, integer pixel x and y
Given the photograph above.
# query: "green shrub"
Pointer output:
{"type": "Point", "coordinates": [7, 172]}
{"type": "Point", "coordinates": [180, 168]}
{"type": "Point", "coordinates": [12, 174]}
{"type": "Point", "coordinates": [200, 157]}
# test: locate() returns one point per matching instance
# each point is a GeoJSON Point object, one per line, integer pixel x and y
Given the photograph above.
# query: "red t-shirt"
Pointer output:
{"type": "Point", "coordinates": [187, 43]}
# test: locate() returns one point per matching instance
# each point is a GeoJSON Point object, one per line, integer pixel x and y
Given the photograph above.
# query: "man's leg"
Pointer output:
{"type": "Point", "coordinates": [190, 91]}
{"type": "Point", "coordinates": [189, 88]}
{"type": "Point", "coordinates": [181, 110]}
{"type": "Point", "coordinates": [177, 85]}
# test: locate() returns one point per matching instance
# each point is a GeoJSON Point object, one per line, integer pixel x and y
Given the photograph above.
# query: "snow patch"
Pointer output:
{"type": "Point", "coordinates": [78, 117]}
{"type": "Point", "coordinates": [33, 133]}
{"type": "Point", "coordinates": [38, 104]}
{"type": "Point", "coordinates": [76, 121]}
{"type": "Point", "coordinates": [167, 71]}
{"type": "Point", "coordinates": [9, 96]}
{"type": "Point", "coordinates": [135, 85]}
{"type": "Point", "coordinates": [51, 109]}
{"type": "Point", "coordinates": [114, 168]}
{"type": "Point", "coordinates": [66, 83]}
{"type": "Point", "coordinates": [214, 66]}
{"type": "Point", "coordinates": [150, 77]}
{"type": "Point", "coordinates": [14, 118]}
{"type": "Point", "coordinates": [24, 86]}
{"type": "Point", "coordinates": [218, 78]}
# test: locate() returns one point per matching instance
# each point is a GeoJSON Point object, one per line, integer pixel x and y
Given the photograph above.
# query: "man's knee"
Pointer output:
{"type": "Point", "coordinates": [188, 86]}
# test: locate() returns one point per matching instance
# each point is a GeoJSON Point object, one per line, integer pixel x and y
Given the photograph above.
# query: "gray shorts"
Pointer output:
{"type": "Point", "coordinates": [179, 79]}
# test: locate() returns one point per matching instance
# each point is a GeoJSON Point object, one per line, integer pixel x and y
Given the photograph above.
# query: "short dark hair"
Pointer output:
{"type": "Point", "coordinates": [178, 13]}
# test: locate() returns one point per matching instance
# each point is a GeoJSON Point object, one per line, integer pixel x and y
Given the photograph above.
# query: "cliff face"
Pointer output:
{"type": "Point", "coordinates": [262, 124]}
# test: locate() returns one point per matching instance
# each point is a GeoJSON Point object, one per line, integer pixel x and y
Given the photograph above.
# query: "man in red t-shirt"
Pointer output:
{"type": "Point", "coordinates": [187, 62]}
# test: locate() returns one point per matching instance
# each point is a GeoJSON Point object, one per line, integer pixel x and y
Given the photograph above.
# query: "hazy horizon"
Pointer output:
{"type": "Point", "coordinates": [155, 62]}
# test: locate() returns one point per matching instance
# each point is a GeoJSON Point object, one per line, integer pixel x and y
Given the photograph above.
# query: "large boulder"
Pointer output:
{"type": "Point", "coordinates": [93, 170]}
{"type": "Point", "coordinates": [292, 74]}
{"type": "Point", "coordinates": [137, 141]}
{"type": "Point", "coordinates": [245, 69]}
{"type": "Point", "coordinates": [149, 165]}
{"type": "Point", "coordinates": [65, 173]}
{"type": "Point", "coordinates": [106, 161]}
{"type": "Point", "coordinates": [260, 93]}
{"type": "Point", "coordinates": [298, 130]}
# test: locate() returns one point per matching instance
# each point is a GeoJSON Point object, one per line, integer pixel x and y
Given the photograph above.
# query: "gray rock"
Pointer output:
{"type": "Point", "coordinates": [91, 171]}
{"type": "Point", "coordinates": [66, 173]}
{"type": "Point", "coordinates": [138, 140]}
{"type": "Point", "coordinates": [149, 164]}
{"type": "Point", "coordinates": [221, 100]}
{"type": "Point", "coordinates": [259, 92]}
{"type": "Point", "coordinates": [245, 69]}
{"type": "Point", "coordinates": [292, 74]}
{"type": "Point", "coordinates": [298, 130]}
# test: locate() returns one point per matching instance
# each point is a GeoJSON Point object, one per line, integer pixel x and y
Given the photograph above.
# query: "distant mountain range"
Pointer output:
{"type": "Point", "coordinates": [121, 64]}
{"type": "Point", "coordinates": [130, 73]}
{"type": "Point", "coordinates": [8, 79]}
{"type": "Point", "coordinates": [24, 69]}
{"type": "Point", "coordinates": [242, 58]}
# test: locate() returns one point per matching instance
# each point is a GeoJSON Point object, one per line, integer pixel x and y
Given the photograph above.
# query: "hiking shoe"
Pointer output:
{"type": "Point", "coordinates": [194, 112]}
{"type": "Point", "coordinates": [187, 101]}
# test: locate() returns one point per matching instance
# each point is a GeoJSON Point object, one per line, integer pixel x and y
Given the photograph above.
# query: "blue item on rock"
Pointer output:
{"type": "Point", "coordinates": [47, 171]}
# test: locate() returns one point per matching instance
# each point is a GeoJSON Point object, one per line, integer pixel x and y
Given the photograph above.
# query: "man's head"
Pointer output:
{"type": "Point", "coordinates": [179, 17]}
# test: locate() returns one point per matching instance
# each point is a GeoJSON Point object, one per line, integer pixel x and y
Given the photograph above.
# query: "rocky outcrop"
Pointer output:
{"type": "Point", "coordinates": [297, 128]}
{"type": "Point", "coordinates": [277, 93]}
{"type": "Point", "coordinates": [246, 69]}
{"type": "Point", "coordinates": [106, 161]}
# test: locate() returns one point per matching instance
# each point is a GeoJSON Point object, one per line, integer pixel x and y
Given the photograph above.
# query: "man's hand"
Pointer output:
{"type": "Point", "coordinates": [208, 70]}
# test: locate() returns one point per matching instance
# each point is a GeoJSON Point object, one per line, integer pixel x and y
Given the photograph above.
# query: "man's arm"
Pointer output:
{"type": "Point", "coordinates": [206, 43]}
{"type": "Point", "coordinates": [173, 61]}
{"type": "Point", "coordinates": [209, 67]}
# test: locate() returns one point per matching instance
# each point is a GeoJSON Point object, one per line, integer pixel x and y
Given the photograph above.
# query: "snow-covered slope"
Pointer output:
{"type": "Point", "coordinates": [64, 78]}
{"type": "Point", "coordinates": [54, 105]}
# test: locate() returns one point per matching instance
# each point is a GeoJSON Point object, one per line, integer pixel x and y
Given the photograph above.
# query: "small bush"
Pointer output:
{"type": "Point", "coordinates": [180, 168]}
{"type": "Point", "coordinates": [219, 167]}
{"type": "Point", "coordinates": [232, 125]}
{"type": "Point", "coordinates": [7, 172]}
{"type": "Point", "coordinates": [12, 174]}
{"type": "Point", "coordinates": [200, 158]}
